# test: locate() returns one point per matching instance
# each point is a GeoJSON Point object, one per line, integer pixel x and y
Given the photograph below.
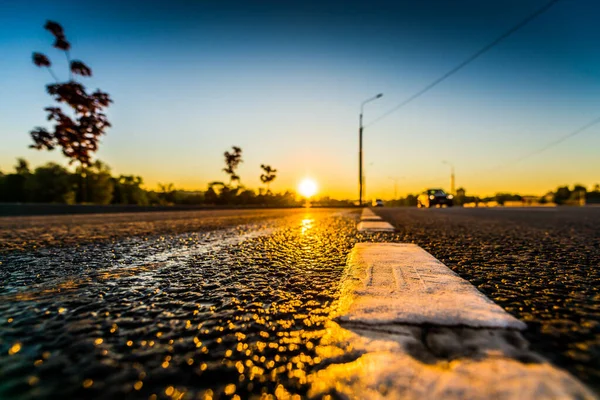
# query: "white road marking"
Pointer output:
{"type": "Point", "coordinates": [374, 226]}
{"type": "Point", "coordinates": [371, 218]}
{"type": "Point", "coordinates": [370, 222]}
{"type": "Point", "coordinates": [402, 283]}
{"type": "Point", "coordinates": [367, 212]}
{"type": "Point", "coordinates": [534, 209]}
{"type": "Point", "coordinates": [386, 367]}
{"type": "Point", "coordinates": [391, 289]}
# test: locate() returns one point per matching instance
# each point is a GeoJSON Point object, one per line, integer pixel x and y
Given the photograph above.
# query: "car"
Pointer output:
{"type": "Point", "coordinates": [435, 197]}
{"type": "Point", "coordinates": [378, 203]}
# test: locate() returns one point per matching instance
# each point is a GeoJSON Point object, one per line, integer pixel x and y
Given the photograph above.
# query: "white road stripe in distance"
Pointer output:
{"type": "Point", "coordinates": [367, 212]}
{"type": "Point", "coordinates": [370, 222]}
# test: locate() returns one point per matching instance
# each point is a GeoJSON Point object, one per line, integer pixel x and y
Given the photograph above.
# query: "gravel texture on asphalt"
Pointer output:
{"type": "Point", "coordinates": [167, 305]}
{"type": "Point", "coordinates": [540, 265]}
{"type": "Point", "coordinates": [235, 312]}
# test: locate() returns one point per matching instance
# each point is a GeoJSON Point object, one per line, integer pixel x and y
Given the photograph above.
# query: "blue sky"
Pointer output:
{"type": "Point", "coordinates": [284, 81]}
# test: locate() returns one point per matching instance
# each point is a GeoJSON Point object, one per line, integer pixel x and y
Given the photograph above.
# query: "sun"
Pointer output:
{"type": "Point", "coordinates": [307, 188]}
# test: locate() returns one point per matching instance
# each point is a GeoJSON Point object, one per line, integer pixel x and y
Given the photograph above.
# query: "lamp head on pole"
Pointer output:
{"type": "Point", "coordinates": [368, 100]}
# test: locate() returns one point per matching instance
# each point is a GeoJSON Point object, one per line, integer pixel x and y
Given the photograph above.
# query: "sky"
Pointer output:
{"type": "Point", "coordinates": [284, 80]}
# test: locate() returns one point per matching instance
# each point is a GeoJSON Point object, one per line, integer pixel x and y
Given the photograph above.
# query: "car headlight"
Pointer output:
{"type": "Point", "coordinates": [450, 197]}
{"type": "Point", "coordinates": [431, 197]}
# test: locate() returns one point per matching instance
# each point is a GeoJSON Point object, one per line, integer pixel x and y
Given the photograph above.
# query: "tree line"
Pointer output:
{"type": "Point", "coordinates": [95, 184]}
{"type": "Point", "coordinates": [563, 195]}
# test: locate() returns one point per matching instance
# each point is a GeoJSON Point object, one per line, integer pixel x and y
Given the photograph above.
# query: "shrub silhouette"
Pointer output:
{"type": "Point", "coordinates": [268, 177]}
{"type": "Point", "coordinates": [232, 161]}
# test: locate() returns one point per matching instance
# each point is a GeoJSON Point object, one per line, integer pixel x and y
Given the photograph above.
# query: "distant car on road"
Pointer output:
{"type": "Point", "coordinates": [435, 197]}
{"type": "Point", "coordinates": [378, 203]}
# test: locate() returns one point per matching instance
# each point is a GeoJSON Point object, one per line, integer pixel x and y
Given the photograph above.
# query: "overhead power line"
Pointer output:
{"type": "Point", "coordinates": [558, 141]}
{"type": "Point", "coordinates": [544, 148]}
{"type": "Point", "coordinates": [463, 64]}
{"type": "Point", "coordinates": [548, 146]}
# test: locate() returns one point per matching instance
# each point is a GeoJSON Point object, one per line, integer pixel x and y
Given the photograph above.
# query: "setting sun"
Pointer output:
{"type": "Point", "coordinates": [308, 187]}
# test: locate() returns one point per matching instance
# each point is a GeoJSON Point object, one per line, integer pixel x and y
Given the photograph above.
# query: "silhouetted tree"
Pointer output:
{"type": "Point", "coordinates": [268, 176]}
{"type": "Point", "coordinates": [246, 197]}
{"type": "Point", "coordinates": [190, 198]}
{"type": "Point", "coordinates": [128, 190]}
{"type": "Point", "coordinates": [22, 167]}
{"type": "Point", "coordinates": [51, 183]}
{"type": "Point", "coordinates": [14, 185]}
{"type": "Point", "coordinates": [502, 198]}
{"type": "Point", "coordinates": [232, 161]}
{"type": "Point", "coordinates": [461, 194]}
{"type": "Point", "coordinates": [228, 195]}
{"type": "Point", "coordinates": [168, 194]}
{"type": "Point", "coordinates": [211, 196]}
{"type": "Point", "coordinates": [562, 194]}
{"type": "Point", "coordinates": [594, 196]}
{"type": "Point", "coordinates": [97, 185]}
{"type": "Point", "coordinates": [578, 193]}
{"type": "Point", "coordinates": [78, 136]}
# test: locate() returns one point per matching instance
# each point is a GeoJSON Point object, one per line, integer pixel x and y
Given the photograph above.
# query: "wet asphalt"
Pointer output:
{"type": "Point", "coordinates": [234, 305]}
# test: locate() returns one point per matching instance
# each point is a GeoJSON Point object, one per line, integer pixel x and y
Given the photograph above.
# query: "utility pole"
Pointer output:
{"type": "Point", "coordinates": [360, 160]}
{"type": "Point", "coordinates": [452, 191]}
{"type": "Point", "coordinates": [395, 187]}
{"type": "Point", "coordinates": [360, 150]}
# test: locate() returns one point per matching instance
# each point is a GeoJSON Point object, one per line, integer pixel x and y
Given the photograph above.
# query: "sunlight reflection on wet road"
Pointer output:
{"type": "Point", "coordinates": [245, 310]}
{"type": "Point", "coordinates": [227, 313]}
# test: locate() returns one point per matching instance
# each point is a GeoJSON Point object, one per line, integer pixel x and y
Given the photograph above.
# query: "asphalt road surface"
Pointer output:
{"type": "Point", "coordinates": [232, 304]}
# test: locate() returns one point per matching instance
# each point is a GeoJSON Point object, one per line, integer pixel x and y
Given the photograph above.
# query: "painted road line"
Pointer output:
{"type": "Point", "coordinates": [368, 215]}
{"type": "Point", "coordinates": [370, 222]}
{"type": "Point", "coordinates": [370, 219]}
{"type": "Point", "coordinates": [402, 283]}
{"type": "Point", "coordinates": [399, 354]}
{"type": "Point", "coordinates": [415, 363]}
{"type": "Point", "coordinates": [374, 226]}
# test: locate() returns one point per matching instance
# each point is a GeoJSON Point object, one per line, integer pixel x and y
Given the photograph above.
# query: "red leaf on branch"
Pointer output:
{"type": "Point", "coordinates": [62, 44]}
{"type": "Point", "coordinates": [78, 67]}
{"type": "Point", "coordinates": [55, 29]}
{"type": "Point", "coordinates": [41, 60]}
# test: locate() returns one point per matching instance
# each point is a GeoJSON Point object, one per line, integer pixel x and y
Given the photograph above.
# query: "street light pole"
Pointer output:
{"type": "Point", "coordinates": [360, 159]}
{"type": "Point", "coordinates": [360, 149]}
{"type": "Point", "coordinates": [451, 177]}
{"type": "Point", "coordinates": [395, 187]}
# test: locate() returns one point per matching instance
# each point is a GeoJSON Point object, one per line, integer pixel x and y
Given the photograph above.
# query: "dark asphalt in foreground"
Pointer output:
{"type": "Point", "coordinates": [211, 305]}
{"type": "Point", "coordinates": [207, 314]}
{"type": "Point", "coordinates": [540, 265]}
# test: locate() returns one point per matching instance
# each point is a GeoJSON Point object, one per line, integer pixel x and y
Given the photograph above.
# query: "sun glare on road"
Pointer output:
{"type": "Point", "coordinates": [307, 188]}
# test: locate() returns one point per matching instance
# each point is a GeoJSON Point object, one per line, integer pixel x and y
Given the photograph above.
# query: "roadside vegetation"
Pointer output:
{"type": "Point", "coordinates": [95, 184]}
{"type": "Point", "coordinates": [563, 195]}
